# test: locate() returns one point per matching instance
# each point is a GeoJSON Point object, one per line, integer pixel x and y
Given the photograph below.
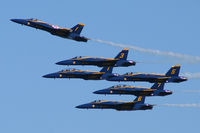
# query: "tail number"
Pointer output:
{"type": "Point", "coordinates": [159, 84]}
{"type": "Point", "coordinates": [76, 29]}
{"type": "Point", "coordinates": [139, 98]}
{"type": "Point", "coordinates": [173, 71]}
{"type": "Point", "coordinates": [122, 55]}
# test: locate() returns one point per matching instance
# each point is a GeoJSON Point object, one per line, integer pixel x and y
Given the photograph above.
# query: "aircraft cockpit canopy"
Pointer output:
{"type": "Point", "coordinates": [33, 19]}
{"type": "Point", "coordinates": [96, 101]}
{"type": "Point", "coordinates": [120, 85]}
{"type": "Point", "coordinates": [68, 69]}
{"type": "Point", "coordinates": [128, 73]}
{"type": "Point", "coordinates": [77, 57]}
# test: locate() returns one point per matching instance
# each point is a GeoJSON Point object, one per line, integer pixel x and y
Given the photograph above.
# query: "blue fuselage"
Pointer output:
{"type": "Point", "coordinates": [120, 106]}
{"type": "Point", "coordinates": [130, 90]}
{"type": "Point", "coordinates": [152, 78]}
{"type": "Point", "coordinates": [54, 30]}
{"type": "Point", "coordinates": [100, 62]}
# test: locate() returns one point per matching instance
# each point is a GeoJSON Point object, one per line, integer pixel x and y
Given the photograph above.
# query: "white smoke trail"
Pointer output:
{"type": "Point", "coordinates": [181, 105]}
{"type": "Point", "coordinates": [192, 75]}
{"type": "Point", "coordinates": [187, 91]}
{"type": "Point", "coordinates": [186, 58]}
{"type": "Point", "coordinates": [191, 91]}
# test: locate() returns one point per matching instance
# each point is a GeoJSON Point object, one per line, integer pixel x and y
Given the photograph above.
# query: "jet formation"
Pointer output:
{"type": "Point", "coordinates": [159, 80]}
{"type": "Point", "coordinates": [105, 73]}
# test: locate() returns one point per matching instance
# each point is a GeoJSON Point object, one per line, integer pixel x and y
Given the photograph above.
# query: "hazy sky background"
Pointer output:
{"type": "Point", "coordinates": [32, 104]}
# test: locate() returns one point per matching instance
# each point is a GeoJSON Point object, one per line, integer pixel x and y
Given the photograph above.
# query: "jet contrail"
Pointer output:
{"type": "Point", "coordinates": [187, 58]}
{"type": "Point", "coordinates": [192, 75]}
{"type": "Point", "coordinates": [181, 105]}
{"type": "Point", "coordinates": [191, 91]}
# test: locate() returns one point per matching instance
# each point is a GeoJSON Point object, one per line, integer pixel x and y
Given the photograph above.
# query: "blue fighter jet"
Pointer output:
{"type": "Point", "coordinates": [171, 76]}
{"type": "Point", "coordinates": [73, 33]}
{"type": "Point", "coordinates": [155, 90]}
{"type": "Point", "coordinates": [83, 74]}
{"type": "Point", "coordinates": [137, 104]}
{"type": "Point", "coordinates": [119, 61]}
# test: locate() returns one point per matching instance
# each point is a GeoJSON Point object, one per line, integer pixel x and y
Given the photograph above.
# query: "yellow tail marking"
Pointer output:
{"type": "Point", "coordinates": [125, 49]}
{"type": "Point", "coordinates": [122, 55]}
{"type": "Point", "coordinates": [82, 24]}
{"type": "Point", "coordinates": [108, 68]}
{"type": "Point", "coordinates": [159, 84]}
{"type": "Point", "coordinates": [176, 66]}
{"type": "Point", "coordinates": [173, 71]}
{"type": "Point", "coordinates": [76, 28]}
{"type": "Point", "coordinates": [139, 98]}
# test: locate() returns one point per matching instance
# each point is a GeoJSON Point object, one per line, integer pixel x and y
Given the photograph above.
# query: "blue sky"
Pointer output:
{"type": "Point", "coordinates": [30, 103]}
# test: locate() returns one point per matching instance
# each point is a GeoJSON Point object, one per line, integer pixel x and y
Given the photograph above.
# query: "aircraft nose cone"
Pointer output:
{"type": "Point", "coordinates": [97, 92]}
{"type": "Point", "coordinates": [100, 92]}
{"type": "Point", "coordinates": [79, 107]}
{"type": "Point", "coordinates": [19, 21]}
{"type": "Point", "coordinates": [13, 20]}
{"type": "Point", "coordinates": [60, 63]}
{"type": "Point", "coordinates": [46, 76]}
{"type": "Point", "coordinates": [82, 106]}
{"type": "Point", "coordinates": [52, 75]}
{"type": "Point", "coordinates": [65, 62]}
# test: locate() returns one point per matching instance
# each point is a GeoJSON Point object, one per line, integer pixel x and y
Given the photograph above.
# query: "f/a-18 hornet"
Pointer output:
{"type": "Point", "coordinates": [119, 61]}
{"type": "Point", "coordinates": [137, 104]}
{"type": "Point", "coordinates": [73, 33]}
{"type": "Point", "coordinates": [83, 74]}
{"type": "Point", "coordinates": [156, 90]}
{"type": "Point", "coordinates": [171, 76]}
